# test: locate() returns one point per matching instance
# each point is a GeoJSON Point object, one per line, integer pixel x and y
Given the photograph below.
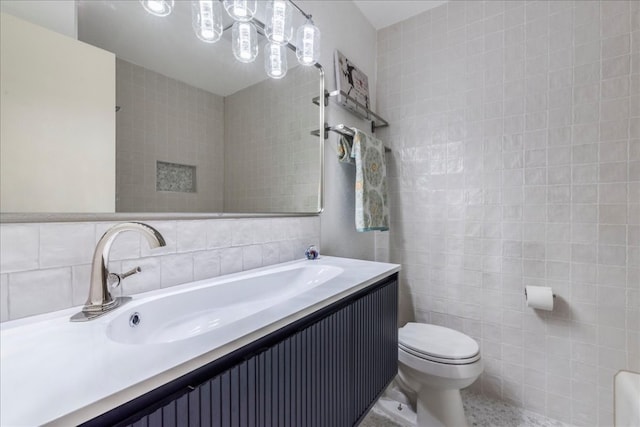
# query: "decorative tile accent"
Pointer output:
{"type": "Point", "coordinates": [175, 177]}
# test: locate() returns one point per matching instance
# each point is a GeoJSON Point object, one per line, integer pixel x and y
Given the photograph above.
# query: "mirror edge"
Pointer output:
{"type": "Point", "coordinates": [9, 218]}
{"type": "Point", "coordinates": [321, 127]}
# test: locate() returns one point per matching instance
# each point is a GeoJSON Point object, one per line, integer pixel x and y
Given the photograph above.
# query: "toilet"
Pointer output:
{"type": "Point", "coordinates": [434, 364]}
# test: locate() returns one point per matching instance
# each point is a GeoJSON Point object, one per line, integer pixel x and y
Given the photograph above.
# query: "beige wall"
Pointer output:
{"type": "Point", "coordinates": [57, 116]}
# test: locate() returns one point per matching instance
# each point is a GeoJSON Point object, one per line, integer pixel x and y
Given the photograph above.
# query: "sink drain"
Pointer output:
{"type": "Point", "coordinates": [134, 320]}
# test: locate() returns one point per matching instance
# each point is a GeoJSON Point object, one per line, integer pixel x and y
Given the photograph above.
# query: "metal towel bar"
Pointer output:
{"type": "Point", "coordinates": [342, 130]}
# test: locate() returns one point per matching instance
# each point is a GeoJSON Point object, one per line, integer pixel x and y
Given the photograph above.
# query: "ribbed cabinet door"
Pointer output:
{"type": "Point", "coordinates": [302, 381]}
{"type": "Point", "coordinates": [375, 340]}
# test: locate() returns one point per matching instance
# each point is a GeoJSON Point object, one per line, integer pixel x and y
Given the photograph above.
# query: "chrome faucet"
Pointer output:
{"type": "Point", "coordinates": [100, 300]}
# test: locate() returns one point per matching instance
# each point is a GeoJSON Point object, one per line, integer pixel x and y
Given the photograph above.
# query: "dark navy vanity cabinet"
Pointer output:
{"type": "Point", "coordinates": [324, 370]}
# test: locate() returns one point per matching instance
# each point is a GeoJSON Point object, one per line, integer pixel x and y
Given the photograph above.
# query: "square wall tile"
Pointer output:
{"type": "Point", "coordinates": [39, 291]}
{"type": "Point", "coordinates": [66, 244]}
{"type": "Point", "coordinates": [19, 247]}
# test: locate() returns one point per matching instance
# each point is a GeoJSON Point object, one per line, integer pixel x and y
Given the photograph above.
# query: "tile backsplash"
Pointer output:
{"type": "Point", "coordinates": [46, 266]}
{"type": "Point", "coordinates": [515, 130]}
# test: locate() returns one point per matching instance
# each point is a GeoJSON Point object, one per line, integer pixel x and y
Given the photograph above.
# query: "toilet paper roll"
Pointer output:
{"type": "Point", "coordinates": [539, 297]}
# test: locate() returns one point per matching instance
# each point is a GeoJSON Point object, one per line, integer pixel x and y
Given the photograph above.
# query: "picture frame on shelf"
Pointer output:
{"type": "Point", "coordinates": [354, 83]}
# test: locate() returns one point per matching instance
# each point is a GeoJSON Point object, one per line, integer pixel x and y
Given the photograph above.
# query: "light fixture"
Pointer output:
{"type": "Point", "coordinates": [158, 7]}
{"type": "Point", "coordinates": [308, 43]}
{"type": "Point", "coordinates": [275, 60]}
{"type": "Point", "coordinates": [277, 25]}
{"type": "Point", "coordinates": [240, 10]}
{"type": "Point", "coordinates": [207, 20]}
{"type": "Point", "coordinates": [245, 41]}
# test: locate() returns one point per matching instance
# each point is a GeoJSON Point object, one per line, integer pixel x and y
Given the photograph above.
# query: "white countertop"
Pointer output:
{"type": "Point", "coordinates": [56, 372]}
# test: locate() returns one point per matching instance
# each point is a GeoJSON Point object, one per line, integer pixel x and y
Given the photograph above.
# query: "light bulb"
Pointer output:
{"type": "Point", "coordinates": [308, 43]}
{"type": "Point", "coordinates": [240, 10]}
{"type": "Point", "coordinates": [245, 41]}
{"type": "Point", "coordinates": [158, 7]}
{"type": "Point", "coordinates": [278, 21]}
{"type": "Point", "coordinates": [206, 16]}
{"type": "Point", "coordinates": [275, 60]}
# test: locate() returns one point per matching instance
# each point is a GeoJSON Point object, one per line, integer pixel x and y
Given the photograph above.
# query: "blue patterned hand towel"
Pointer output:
{"type": "Point", "coordinates": [372, 208]}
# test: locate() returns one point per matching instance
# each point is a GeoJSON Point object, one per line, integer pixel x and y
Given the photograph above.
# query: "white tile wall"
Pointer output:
{"type": "Point", "coordinates": [515, 129]}
{"type": "Point", "coordinates": [46, 267]}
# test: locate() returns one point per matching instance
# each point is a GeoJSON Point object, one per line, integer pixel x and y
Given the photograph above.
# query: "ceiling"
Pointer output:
{"type": "Point", "coordinates": [384, 13]}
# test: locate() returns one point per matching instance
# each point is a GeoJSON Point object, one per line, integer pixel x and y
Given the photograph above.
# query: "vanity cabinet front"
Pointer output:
{"type": "Point", "coordinates": [326, 369]}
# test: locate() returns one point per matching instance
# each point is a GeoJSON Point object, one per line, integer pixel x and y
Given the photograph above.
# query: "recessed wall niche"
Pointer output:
{"type": "Point", "coordinates": [175, 177]}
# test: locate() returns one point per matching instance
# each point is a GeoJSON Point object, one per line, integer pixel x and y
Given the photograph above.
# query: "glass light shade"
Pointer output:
{"type": "Point", "coordinates": [245, 41]}
{"type": "Point", "coordinates": [158, 7]}
{"type": "Point", "coordinates": [278, 26]}
{"type": "Point", "coordinates": [275, 60]}
{"type": "Point", "coordinates": [240, 10]}
{"type": "Point", "coordinates": [206, 17]}
{"type": "Point", "coordinates": [308, 43]}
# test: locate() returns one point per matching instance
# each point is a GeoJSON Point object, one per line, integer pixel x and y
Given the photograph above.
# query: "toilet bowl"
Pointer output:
{"type": "Point", "coordinates": [435, 363]}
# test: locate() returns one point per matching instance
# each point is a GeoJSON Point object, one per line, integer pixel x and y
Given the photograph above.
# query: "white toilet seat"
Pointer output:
{"type": "Point", "coordinates": [440, 370]}
{"type": "Point", "coordinates": [443, 360]}
{"type": "Point", "coordinates": [438, 344]}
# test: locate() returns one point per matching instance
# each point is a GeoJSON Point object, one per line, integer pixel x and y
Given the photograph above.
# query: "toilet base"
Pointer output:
{"type": "Point", "coordinates": [440, 408]}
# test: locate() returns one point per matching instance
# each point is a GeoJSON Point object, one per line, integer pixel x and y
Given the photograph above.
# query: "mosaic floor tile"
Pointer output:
{"type": "Point", "coordinates": [482, 411]}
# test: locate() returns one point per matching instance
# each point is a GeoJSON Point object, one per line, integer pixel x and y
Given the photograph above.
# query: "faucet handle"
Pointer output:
{"type": "Point", "coordinates": [114, 279]}
{"type": "Point", "coordinates": [311, 253]}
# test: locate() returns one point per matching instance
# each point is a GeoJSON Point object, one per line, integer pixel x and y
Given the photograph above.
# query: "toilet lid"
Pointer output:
{"type": "Point", "coordinates": [437, 341]}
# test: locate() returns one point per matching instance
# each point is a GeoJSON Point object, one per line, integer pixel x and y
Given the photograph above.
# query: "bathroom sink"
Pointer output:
{"type": "Point", "coordinates": [213, 305]}
{"type": "Point", "coordinates": [179, 330]}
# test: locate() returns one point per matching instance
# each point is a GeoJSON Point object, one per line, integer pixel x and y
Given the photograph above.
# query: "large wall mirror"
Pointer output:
{"type": "Point", "coordinates": [196, 130]}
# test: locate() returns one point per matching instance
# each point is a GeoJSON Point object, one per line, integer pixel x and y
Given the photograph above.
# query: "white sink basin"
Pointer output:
{"type": "Point", "coordinates": [204, 308]}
